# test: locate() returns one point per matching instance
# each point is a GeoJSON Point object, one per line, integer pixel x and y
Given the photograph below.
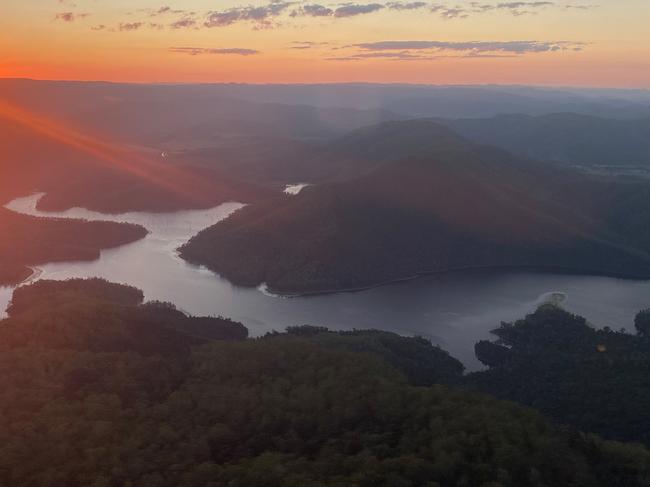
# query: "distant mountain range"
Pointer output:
{"type": "Point", "coordinates": [271, 135]}
{"type": "Point", "coordinates": [563, 137]}
{"type": "Point", "coordinates": [418, 198]}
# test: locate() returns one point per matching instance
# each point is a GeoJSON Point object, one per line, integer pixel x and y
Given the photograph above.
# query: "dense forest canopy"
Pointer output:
{"type": "Point", "coordinates": [99, 389]}
{"type": "Point", "coordinates": [595, 380]}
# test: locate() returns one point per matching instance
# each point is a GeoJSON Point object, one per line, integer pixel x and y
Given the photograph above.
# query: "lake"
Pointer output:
{"type": "Point", "coordinates": [453, 310]}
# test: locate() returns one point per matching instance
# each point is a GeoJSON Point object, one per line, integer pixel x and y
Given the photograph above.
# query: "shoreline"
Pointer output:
{"type": "Point", "coordinates": [36, 273]}
{"type": "Point", "coordinates": [453, 270]}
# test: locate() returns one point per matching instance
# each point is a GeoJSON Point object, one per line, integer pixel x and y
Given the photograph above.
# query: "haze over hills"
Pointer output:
{"type": "Point", "coordinates": [72, 98]}
{"type": "Point", "coordinates": [76, 166]}
{"type": "Point", "coordinates": [68, 138]}
{"type": "Point", "coordinates": [563, 137]}
{"type": "Point", "coordinates": [423, 200]}
{"type": "Point", "coordinates": [474, 102]}
{"type": "Point", "coordinates": [189, 114]}
{"type": "Point", "coordinates": [232, 136]}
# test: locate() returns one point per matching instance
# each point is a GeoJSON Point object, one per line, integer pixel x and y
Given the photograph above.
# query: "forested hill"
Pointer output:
{"type": "Point", "coordinates": [98, 389]}
{"type": "Point", "coordinates": [418, 198]}
{"type": "Point", "coordinates": [30, 241]}
{"type": "Point", "coordinates": [595, 380]}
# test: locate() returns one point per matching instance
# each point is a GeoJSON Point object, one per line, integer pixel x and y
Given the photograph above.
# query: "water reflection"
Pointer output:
{"type": "Point", "coordinates": [454, 310]}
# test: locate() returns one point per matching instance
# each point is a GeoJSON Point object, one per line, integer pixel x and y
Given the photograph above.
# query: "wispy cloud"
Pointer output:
{"type": "Point", "coordinates": [516, 47]}
{"type": "Point", "coordinates": [352, 9]}
{"type": "Point", "coordinates": [581, 7]}
{"type": "Point", "coordinates": [129, 26]}
{"type": "Point", "coordinates": [277, 13]}
{"type": "Point", "coordinates": [515, 8]}
{"type": "Point", "coordinates": [313, 10]}
{"type": "Point", "coordinates": [261, 17]}
{"type": "Point", "coordinates": [449, 12]}
{"type": "Point", "coordinates": [184, 23]}
{"type": "Point", "coordinates": [196, 51]}
{"type": "Point", "coordinates": [459, 11]}
{"type": "Point", "coordinates": [432, 50]}
{"type": "Point", "coordinates": [307, 44]}
{"type": "Point", "coordinates": [165, 10]}
{"type": "Point", "coordinates": [406, 5]}
{"type": "Point", "coordinates": [70, 16]}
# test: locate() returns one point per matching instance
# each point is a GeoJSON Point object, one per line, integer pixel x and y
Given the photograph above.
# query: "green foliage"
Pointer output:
{"type": "Point", "coordinates": [94, 315]}
{"type": "Point", "coordinates": [306, 330]}
{"type": "Point", "coordinates": [594, 380]}
{"type": "Point", "coordinates": [642, 323]}
{"type": "Point", "coordinates": [43, 293]}
{"type": "Point", "coordinates": [122, 398]}
{"type": "Point", "coordinates": [491, 354]}
{"type": "Point", "coordinates": [422, 363]}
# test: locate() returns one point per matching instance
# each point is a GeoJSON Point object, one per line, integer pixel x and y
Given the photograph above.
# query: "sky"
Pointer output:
{"type": "Point", "coordinates": [600, 43]}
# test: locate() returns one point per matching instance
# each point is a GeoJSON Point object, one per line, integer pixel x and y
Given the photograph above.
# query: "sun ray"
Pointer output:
{"type": "Point", "coordinates": [179, 180]}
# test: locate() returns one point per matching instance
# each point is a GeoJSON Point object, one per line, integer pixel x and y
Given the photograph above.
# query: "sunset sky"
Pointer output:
{"type": "Point", "coordinates": [562, 42]}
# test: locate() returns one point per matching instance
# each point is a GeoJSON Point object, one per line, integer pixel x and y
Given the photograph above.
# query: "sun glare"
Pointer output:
{"type": "Point", "coordinates": [149, 168]}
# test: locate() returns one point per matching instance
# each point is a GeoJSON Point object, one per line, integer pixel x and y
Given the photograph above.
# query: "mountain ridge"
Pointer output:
{"type": "Point", "coordinates": [400, 215]}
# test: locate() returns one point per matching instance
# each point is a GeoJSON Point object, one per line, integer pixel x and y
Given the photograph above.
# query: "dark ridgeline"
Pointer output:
{"type": "Point", "coordinates": [98, 389]}
{"type": "Point", "coordinates": [413, 197]}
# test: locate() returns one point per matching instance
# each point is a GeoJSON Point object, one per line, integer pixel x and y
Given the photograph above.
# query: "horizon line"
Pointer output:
{"type": "Point", "coordinates": [334, 83]}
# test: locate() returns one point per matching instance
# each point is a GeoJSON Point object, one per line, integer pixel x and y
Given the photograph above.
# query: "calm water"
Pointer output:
{"type": "Point", "coordinates": [454, 310]}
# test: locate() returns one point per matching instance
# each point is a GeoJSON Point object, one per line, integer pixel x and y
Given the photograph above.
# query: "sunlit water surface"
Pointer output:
{"type": "Point", "coordinates": [454, 310]}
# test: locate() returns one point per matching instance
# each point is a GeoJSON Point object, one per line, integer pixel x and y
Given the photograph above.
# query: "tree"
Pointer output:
{"type": "Point", "coordinates": [491, 354]}
{"type": "Point", "coordinates": [642, 323]}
